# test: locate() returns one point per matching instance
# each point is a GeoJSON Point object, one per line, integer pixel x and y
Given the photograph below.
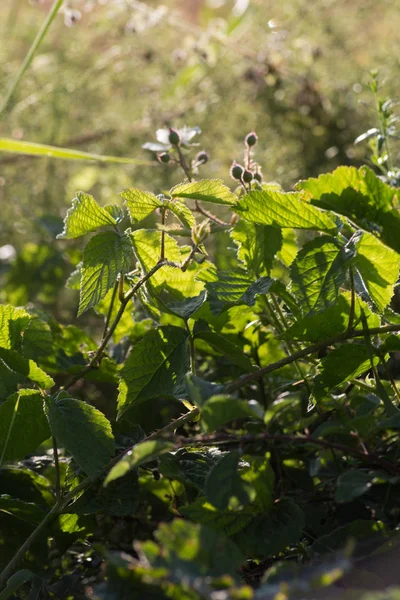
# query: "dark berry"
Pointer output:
{"type": "Point", "coordinates": [247, 176]}
{"type": "Point", "coordinates": [174, 137]}
{"type": "Point", "coordinates": [251, 139]}
{"type": "Point", "coordinates": [236, 171]}
{"type": "Point", "coordinates": [202, 157]}
{"type": "Point", "coordinates": [258, 177]}
{"type": "Point", "coordinates": [164, 157]}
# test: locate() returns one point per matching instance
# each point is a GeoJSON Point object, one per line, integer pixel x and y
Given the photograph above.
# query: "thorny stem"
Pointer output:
{"type": "Point", "coordinates": [209, 215]}
{"type": "Point", "coordinates": [162, 251]}
{"type": "Point", "coordinates": [183, 163]}
{"type": "Point", "coordinates": [352, 301]}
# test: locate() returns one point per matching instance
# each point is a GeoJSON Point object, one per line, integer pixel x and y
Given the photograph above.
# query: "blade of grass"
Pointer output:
{"type": "Point", "coordinates": [43, 150]}
{"type": "Point", "coordinates": [32, 51]}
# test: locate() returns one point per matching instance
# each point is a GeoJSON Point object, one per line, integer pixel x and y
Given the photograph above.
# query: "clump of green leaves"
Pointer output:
{"type": "Point", "coordinates": [239, 409]}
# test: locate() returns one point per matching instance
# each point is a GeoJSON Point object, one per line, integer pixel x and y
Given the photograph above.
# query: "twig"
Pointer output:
{"type": "Point", "coordinates": [110, 309]}
{"type": "Point", "coordinates": [341, 337]}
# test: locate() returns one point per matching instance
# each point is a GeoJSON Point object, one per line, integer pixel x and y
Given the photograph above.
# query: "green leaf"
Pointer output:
{"type": "Point", "coordinates": [257, 245]}
{"type": "Point", "coordinates": [341, 364]}
{"type": "Point", "coordinates": [226, 348]}
{"type": "Point", "coordinates": [318, 272]}
{"type": "Point", "coordinates": [224, 482]}
{"type": "Point", "coordinates": [37, 339]}
{"type": "Point", "coordinates": [46, 151]}
{"type": "Point", "coordinates": [15, 582]}
{"type": "Point", "coordinates": [85, 216]}
{"type": "Point", "coordinates": [362, 196]}
{"type": "Point", "coordinates": [141, 453]}
{"type": "Point", "coordinates": [357, 530]}
{"type": "Point", "coordinates": [13, 321]}
{"type": "Point", "coordinates": [84, 431]}
{"type": "Point", "coordinates": [25, 511]}
{"type": "Point", "coordinates": [206, 190]}
{"type": "Point", "coordinates": [332, 321]}
{"type": "Point", "coordinates": [181, 212]}
{"type": "Point", "coordinates": [228, 521]}
{"type": "Point", "coordinates": [117, 499]}
{"type": "Point", "coordinates": [352, 484]}
{"type": "Point", "coordinates": [233, 289]}
{"type": "Point", "coordinates": [156, 366]}
{"type": "Point", "coordinates": [271, 533]}
{"type": "Point", "coordinates": [106, 255]}
{"type": "Point", "coordinates": [189, 467]}
{"type": "Point", "coordinates": [168, 283]}
{"type": "Point", "coordinates": [379, 268]}
{"type": "Point", "coordinates": [23, 425]}
{"type": "Point", "coordinates": [283, 210]}
{"type": "Point", "coordinates": [140, 204]}
{"type": "Point", "coordinates": [20, 368]}
{"type": "Point", "coordinates": [219, 410]}
{"type": "Point", "coordinates": [260, 475]}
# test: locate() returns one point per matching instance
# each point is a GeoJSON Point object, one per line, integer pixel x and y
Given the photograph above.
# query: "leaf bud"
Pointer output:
{"type": "Point", "coordinates": [164, 157]}
{"type": "Point", "coordinates": [236, 171]}
{"type": "Point", "coordinates": [251, 139]}
{"type": "Point", "coordinates": [174, 138]}
{"type": "Point", "coordinates": [247, 176]}
{"type": "Point", "coordinates": [200, 232]}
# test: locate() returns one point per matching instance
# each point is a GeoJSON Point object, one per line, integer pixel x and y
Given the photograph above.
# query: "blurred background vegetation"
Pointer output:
{"type": "Point", "coordinates": [110, 72]}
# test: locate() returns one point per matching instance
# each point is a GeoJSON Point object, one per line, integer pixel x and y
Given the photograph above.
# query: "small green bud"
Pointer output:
{"type": "Point", "coordinates": [200, 232]}
{"type": "Point", "coordinates": [174, 137]}
{"type": "Point", "coordinates": [251, 139]}
{"type": "Point", "coordinates": [247, 176]}
{"type": "Point", "coordinates": [236, 171]}
{"type": "Point", "coordinates": [164, 157]}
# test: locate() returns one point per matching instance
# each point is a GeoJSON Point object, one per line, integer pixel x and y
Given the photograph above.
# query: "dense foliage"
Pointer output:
{"type": "Point", "coordinates": [237, 425]}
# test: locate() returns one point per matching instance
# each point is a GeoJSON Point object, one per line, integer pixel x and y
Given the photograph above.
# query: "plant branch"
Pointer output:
{"type": "Point", "coordinates": [110, 309]}
{"type": "Point", "coordinates": [312, 349]}
{"type": "Point", "coordinates": [226, 438]}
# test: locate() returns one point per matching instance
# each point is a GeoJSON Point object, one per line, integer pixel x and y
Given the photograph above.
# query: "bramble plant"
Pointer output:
{"type": "Point", "coordinates": [240, 412]}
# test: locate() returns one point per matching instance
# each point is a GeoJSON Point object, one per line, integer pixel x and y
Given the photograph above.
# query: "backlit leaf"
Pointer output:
{"type": "Point", "coordinates": [84, 216]}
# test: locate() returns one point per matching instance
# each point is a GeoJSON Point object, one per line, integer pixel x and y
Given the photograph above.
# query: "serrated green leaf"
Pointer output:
{"type": "Point", "coordinates": [318, 272]}
{"type": "Point", "coordinates": [219, 410]}
{"type": "Point", "coordinates": [224, 482]}
{"type": "Point", "coordinates": [106, 255]}
{"type": "Point", "coordinates": [84, 431]}
{"type": "Point", "coordinates": [233, 289]}
{"type": "Point", "coordinates": [169, 284]}
{"type": "Point", "coordinates": [13, 321]}
{"type": "Point", "coordinates": [37, 339]}
{"type": "Point", "coordinates": [341, 364]}
{"type": "Point", "coordinates": [271, 533]}
{"type": "Point", "coordinates": [260, 475]}
{"type": "Point", "coordinates": [362, 196]}
{"type": "Point", "coordinates": [26, 511]}
{"type": "Point", "coordinates": [257, 245]}
{"type": "Point", "coordinates": [332, 321]}
{"type": "Point", "coordinates": [226, 348]}
{"type": "Point", "coordinates": [181, 212]}
{"type": "Point", "coordinates": [352, 484]}
{"type": "Point", "coordinates": [156, 366]}
{"type": "Point", "coordinates": [15, 582]}
{"type": "Point", "coordinates": [206, 190]}
{"type": "Point", "coordinates": [379, 267]}
{"type": "Point", "coordinates": [117, 499]}
{"type": "Point", "coordinates": [84, 216]}
{"type": "Point", "coordinates": [21, 368]}
{"type": "Point", "coordinates": [228, 521]}
{"type": "Point", "coordinates": [191, 468]}
{"type": "Point", "coordinates": [117, 212]}
{"type": "Point", "coordinates": [283, 210]}
{"type": "Point", "coordinates": [139, 455]}
{"type": "Point", "coordinates": [23, 425]}
{"type": "Point", "coordinates": [140, 204]}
